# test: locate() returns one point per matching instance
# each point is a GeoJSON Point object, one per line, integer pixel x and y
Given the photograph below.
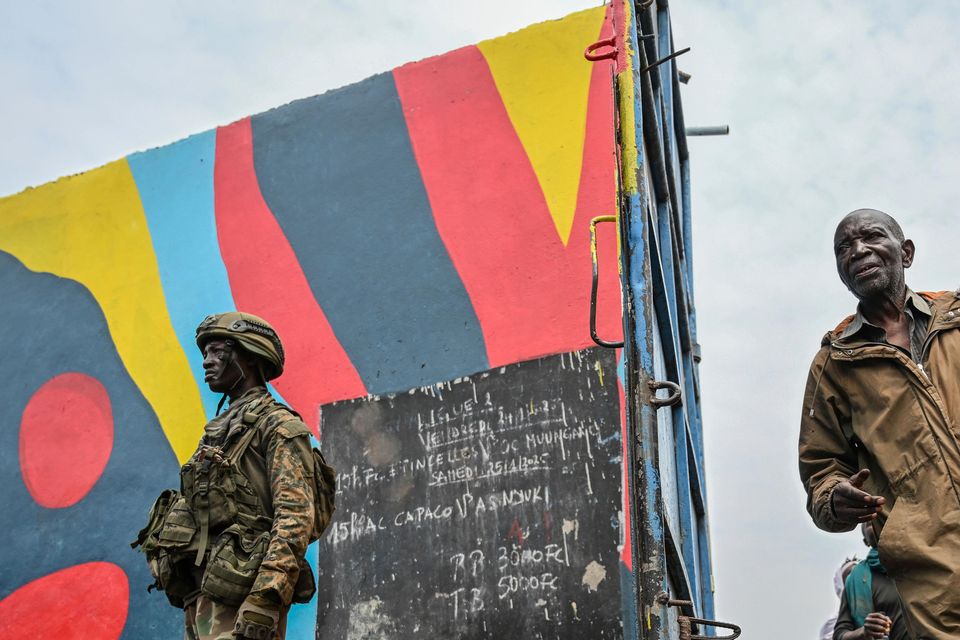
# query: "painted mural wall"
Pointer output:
{"type": "Point", "coordinates": [423, 225]}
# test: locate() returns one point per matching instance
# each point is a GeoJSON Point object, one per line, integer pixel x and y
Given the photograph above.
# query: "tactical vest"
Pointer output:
{"type": "Point", "coordinates": [224, 516]}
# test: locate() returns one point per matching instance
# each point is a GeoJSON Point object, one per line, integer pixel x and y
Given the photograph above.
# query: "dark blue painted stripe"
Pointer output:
{"type": "Point", "coordinates": [51, 326]}
{"type": "Point", "coordinates": [339, 174]}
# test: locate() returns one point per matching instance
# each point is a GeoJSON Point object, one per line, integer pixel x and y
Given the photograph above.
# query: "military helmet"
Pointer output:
{"type": "Point", "coordinates": [252, 332]}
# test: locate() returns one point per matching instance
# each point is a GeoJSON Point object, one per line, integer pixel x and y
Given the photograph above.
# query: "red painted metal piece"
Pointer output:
{"type": "Point", "coordinates": [611, 54]}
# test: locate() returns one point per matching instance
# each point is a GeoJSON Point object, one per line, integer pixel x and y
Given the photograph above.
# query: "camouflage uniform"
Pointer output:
{"type": "Point", "coordinates": [280, 454]}
{"type": "Point", "coordinates": [205, 619]}
{"type": "Point", "coordinates": [229, 547]}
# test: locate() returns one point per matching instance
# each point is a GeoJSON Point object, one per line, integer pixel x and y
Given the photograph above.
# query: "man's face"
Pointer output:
{"type": "Point", "coordinates": [221, 370]}
{"type": "Point", "coordinates": [870, 258]}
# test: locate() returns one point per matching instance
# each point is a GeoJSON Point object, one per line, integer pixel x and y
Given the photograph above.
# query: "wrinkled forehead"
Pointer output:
{"type": "Point", "coordinates": [862, 219]}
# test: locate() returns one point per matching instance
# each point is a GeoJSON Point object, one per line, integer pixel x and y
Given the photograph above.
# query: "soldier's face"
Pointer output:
{"type": "Point", "coordinates": [220, 366]}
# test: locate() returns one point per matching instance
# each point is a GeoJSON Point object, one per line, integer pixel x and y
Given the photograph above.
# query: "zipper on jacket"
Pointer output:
{"type": "Point", "coordinates": [916, 368]}
{"type": "Point", "coordinates": [924, 351]}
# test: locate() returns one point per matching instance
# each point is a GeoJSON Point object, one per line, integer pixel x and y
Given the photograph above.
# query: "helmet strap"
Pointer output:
{"type": "Point", "coordinates": [223, 399]}
{"type": "Point", "coordinates": [239, 381]}
{"type": "Point", "coordinates": [233, 359]}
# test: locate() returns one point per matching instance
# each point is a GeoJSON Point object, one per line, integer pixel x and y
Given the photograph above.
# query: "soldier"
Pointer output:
{"type": "Point", "coordinates": [230, 547]}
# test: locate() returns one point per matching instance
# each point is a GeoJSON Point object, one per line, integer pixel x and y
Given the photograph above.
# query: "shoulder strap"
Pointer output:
{"type": "Point", "coordinates": [253, 418]}
{"type": "Point", "coordinates": [241, 447]}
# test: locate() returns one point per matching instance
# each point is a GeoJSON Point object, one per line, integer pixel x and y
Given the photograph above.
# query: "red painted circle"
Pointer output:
{"type": "Point", "coordinates": [83, 602]}
{"type": "Point", "coordinates": [66, 435]}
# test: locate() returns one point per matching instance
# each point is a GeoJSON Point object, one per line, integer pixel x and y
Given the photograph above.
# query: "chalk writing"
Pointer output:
{"type": "Point", "coordinates": [483, 500]}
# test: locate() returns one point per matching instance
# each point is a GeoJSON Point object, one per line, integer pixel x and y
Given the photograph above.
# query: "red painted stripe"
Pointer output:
{"type": "Point", "coordinates": [267, 280]}
{"type": "Point", "coordinates": [83, 602]}
{"type": "Point", "coordinates": [530, 292]}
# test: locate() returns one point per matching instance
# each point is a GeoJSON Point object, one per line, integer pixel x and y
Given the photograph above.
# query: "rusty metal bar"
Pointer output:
{"type": "Point", "coordinates": [664, 59]}
{"type": "Point", "coordinates": [594, 283]}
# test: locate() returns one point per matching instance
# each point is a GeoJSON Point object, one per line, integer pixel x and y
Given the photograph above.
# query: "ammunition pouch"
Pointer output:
{"type": "Point", "coordinates": [168, 541]}
{"type": "Point", "coordinates": [219, 492]}
{"type": "Point", "coordinates": [233, 564]}
{"type": "Point", "coordinates": [211, 488]}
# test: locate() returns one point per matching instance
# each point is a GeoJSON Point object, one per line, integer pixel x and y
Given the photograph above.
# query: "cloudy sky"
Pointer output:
{"type": "Point", "coordinates": [832, 106]}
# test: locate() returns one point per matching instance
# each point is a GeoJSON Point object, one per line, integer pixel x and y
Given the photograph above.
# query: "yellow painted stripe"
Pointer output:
{"type": "Point", "coordinates": [91, 228]}
{"type": "Point", "coordinates": [629, 95]}
{"type": "Point", "coordinates": [544, 82]}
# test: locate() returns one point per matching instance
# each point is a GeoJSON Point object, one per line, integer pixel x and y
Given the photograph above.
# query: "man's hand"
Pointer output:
{"type": "Point", "coordinates": [877, 625]}
{"type": "Point", "coordinates": [257, 619]}
{"type": "Point", "coordinates": [852, 505]}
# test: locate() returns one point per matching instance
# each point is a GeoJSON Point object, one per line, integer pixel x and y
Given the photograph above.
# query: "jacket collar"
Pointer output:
{"type": "Point", "coordinates": [943, 308]}
{"type": "Point", "coordinates": [856, 323]}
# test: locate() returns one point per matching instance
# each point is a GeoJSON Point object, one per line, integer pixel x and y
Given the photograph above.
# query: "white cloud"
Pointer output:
{"type": "Point", "coordinates": [90, 82]}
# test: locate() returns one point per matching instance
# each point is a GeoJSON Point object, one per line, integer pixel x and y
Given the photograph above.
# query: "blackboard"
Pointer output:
{"type": "Point", "coordinates": [483, 507]}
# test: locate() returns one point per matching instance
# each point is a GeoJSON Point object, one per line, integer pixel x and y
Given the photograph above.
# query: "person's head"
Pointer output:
{"type": "Point", "coordinates": [840, 577]}
{"type": "Point", "coordinates": [872, 254]}
{"type": "Point", "coordinates": [869, 535]}
{"type": "Point", "coordinates": [240, 351]}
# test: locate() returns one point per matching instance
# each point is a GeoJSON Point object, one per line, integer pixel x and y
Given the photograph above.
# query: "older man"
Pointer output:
{"type": "Point", "coordinates": [880, 432]}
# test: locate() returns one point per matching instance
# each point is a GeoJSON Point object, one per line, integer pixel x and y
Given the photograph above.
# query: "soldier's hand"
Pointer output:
{"type": "Point", "coordinates": [877, 625]}
{"type": "Point", "coordinates": [851, 504]}
{"type": "Point", "coordinates": [257, 619]}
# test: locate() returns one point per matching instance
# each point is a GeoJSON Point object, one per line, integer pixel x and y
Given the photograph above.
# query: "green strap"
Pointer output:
{"type": "Point", "coordinates": [237, 452]}
{"type": "Point", "coordinates": [204, 530]}
{"type": "Point", "coordinates": [858, 589]}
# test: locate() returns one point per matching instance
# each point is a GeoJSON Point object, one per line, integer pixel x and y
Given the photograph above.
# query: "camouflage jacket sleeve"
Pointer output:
{"type": "Point", "coordinates": [290, 468]}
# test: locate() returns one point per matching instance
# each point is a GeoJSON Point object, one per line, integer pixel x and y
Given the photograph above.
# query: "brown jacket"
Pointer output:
{"type": "Point", "coordinates": [868, 405]}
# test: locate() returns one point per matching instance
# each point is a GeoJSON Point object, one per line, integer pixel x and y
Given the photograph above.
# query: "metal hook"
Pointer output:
{"type": "Point", "coordinates": [686, 629]}
{"type": "Point", "coordinates": [687, 622]}
{"type": "Point", "coordinates": [593, 285]}
{"type": "Point", "coordinates": [611, 42]}
{"type": "Point", "coordinates": [675, 398]}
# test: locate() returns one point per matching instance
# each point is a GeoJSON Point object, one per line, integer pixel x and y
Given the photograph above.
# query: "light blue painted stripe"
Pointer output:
{"type": "Point", "coordinates": [176, 189]}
